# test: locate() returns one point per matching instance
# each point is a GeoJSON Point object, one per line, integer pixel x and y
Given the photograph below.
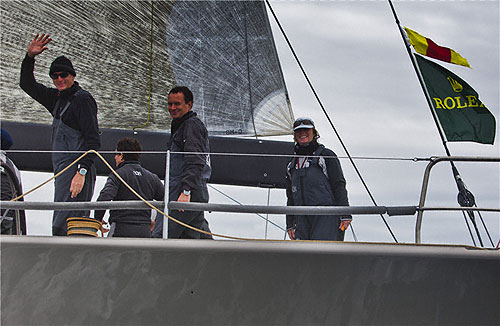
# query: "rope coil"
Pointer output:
{"type": "Point", "coordinates": [83, 226]}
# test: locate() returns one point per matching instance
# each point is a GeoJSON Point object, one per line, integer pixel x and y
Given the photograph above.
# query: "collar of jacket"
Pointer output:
{"type": "Point", "coordinates": [309, 149]}
{"type": "Point", "coordinates": [128, 162]}
{"type": "Point", "coordinates": [176, 123]}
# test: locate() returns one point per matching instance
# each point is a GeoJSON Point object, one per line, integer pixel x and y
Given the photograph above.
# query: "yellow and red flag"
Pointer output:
{"type": "Point", "coordinates": [427, 47]}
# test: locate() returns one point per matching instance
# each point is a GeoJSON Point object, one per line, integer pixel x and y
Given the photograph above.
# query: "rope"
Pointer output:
{"type": "Point", "coordinates": [153, 207]}
{"type": "Point", "coordinates": [84, 225]}
{"type": "Point", "coordinates": [56, 175]}
{"type": "Point", "coordinates": [328, 118]}
{"type": "Point", "coordinates": [81, 232]}
{"type": "Point", "coordinates": [137, 195]}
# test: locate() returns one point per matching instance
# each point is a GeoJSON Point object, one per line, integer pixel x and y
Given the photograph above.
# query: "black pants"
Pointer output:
{"type": "Point", "coordinates": [195, 219]}
{"type": "Point", "coordinates": [62, 194]}
{"type": "Point", "coordinates": [129, 230]}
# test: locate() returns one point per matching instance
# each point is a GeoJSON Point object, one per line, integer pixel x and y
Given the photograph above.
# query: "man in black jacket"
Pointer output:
{"type": "Point", "coordinates": [189, 173]}
{"type": "Point", "coordinates": [130, 223]}
{"type": "Point", "coordinates": [74, 128]}
{"type": "Point", "coordinates": [11, 187]}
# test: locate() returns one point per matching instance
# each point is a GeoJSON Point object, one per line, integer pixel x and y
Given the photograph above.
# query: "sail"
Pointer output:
{"type": "Point", "coordinates": [128, 54]}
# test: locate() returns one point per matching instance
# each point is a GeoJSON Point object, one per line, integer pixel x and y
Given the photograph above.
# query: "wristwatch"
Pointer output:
{"type": "Point", "coordinates": [186, 192]}
{"type": "Point", "coordinates": [82, 170]}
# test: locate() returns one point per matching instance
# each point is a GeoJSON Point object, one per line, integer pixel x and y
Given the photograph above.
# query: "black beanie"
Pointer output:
{"type": "Point", "coordinates": [62, 64]}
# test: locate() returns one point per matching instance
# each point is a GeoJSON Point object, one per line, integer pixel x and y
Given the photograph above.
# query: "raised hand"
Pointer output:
{"type": "Point", "coordinates": [38, 45]}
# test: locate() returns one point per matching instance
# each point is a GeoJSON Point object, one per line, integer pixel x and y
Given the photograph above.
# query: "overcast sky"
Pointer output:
{"type": "Point", "coordinates": [353, 53]}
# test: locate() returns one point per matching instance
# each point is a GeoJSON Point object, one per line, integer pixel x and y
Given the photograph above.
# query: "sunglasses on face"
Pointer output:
{"type": "Point", "coordinates": [302, 122]}
{"type": "Point", "coordinates": [63, 74]}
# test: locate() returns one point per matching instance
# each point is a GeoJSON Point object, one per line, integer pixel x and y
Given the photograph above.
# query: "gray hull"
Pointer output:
{"type": "Point", "coordinates": [87, 281]}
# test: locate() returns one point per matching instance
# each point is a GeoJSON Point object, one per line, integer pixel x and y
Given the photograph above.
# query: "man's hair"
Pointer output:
{"type": "Point", "coordinates": [129, 145]}
{"type": "Point", "coordinates": [188, 95]}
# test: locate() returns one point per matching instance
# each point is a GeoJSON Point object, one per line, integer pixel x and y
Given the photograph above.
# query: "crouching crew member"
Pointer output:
{"type": "Point", "coordinates": [130, 223]}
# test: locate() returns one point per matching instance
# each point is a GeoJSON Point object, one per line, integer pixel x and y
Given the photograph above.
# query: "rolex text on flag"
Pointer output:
{"type": "Point", "coordinates": [462, 115]}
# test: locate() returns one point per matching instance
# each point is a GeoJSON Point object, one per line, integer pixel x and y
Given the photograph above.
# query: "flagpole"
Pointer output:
{"type": "Point", "coordinates": [465, 197]}
{"type": "Point", "coordinates": [421, 80]}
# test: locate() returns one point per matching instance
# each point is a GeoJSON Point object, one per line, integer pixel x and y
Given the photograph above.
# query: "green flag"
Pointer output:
{"type": "Point", "coordinates": [461, 114]}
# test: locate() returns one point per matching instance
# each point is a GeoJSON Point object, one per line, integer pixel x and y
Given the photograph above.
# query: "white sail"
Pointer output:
{"type": "Point", "coordinates": [128, 54]}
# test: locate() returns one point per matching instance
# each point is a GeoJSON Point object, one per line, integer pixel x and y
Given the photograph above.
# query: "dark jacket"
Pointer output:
{"type": "Point", "coordinates": [302, 191]}
{"type": "Point", "coordinates": [144, 182]}
{"type": "Point", "coordinates": [81, 115]}
{"type": "Point", "coordinates": [192, 171]}
{"type": "Point", "coordinates": [187, 172]}
{"type": "Point", "coordinates": [11, 187]}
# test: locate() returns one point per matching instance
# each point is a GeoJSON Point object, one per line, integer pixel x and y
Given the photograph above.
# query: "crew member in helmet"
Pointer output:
{"type": "Point", "coordinates": [314, 178]}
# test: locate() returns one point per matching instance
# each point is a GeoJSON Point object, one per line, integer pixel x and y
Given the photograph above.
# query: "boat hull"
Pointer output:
{"type": "Point", "coordinates": [88, 281]}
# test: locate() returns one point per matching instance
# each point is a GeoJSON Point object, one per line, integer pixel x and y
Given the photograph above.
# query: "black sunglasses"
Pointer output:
{"type": "Point", "coordinates": [302, 122]}
{"type": "Point", "coordinates": [63, 74]}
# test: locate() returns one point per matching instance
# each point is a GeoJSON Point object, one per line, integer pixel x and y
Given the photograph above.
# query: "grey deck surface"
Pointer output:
{"type": "Point", "coordinates": [96, 281]}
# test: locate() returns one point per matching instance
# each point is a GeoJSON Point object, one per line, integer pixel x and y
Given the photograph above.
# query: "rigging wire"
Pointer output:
{"type": "Point", "coordinates": [474, 224]}
{"type": "Point", "coordinates": [239, 203]}
{"type": "Point", "coordinates": [382, 158]}
{"type": "Point", "coordinates": [328, 117]}
{"type": "Point", "coordinates": [161, 212]}
{"type": "Point", "coordinates": [484, 226]}
{"type": "Point", "coordinates": [468, 227]}
{"type": "Point", "coordinates": [415, 159]}
{"type": "Point", "coordinates": [465, 197]}
{"type": "Point", "coordinates": [353, 233]}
